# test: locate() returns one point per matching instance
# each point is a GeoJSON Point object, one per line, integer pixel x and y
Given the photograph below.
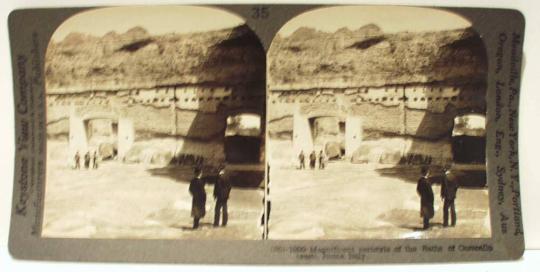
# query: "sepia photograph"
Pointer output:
{"type": "Point", "coordinates": [267, 134]}
{"type": "Point", "coordinates": [376, 125]}
{"type": "Point", "coordinates": [155, 125]}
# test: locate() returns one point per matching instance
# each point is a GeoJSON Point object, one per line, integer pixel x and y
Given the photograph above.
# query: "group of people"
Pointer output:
{"type": "Point", "coordinates": [89, 160]}
{"type": "Point", "coordinates": [313, 158]}
{"type": "Point", "coordinates": [222, 190]}
{"type": "Point", "coordinates": [449, 189]}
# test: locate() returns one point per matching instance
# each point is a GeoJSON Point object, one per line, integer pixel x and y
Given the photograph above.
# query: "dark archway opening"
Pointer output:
{"type": "Point", "coordinates": [469, 139]}
{"type": "Point", "coordinates": [244, 149]}
{"type": "Point", "coordinates": [469, 150]}
{"type": "Point", "coordinates": [243, 140]}
{"type": "Point", "coordinates": [328, 134]}
{"type": "Point", "coordinates": [102, 137]}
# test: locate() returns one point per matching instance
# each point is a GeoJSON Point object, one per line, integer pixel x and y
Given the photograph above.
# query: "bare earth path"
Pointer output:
{"type": "Point", "coordinates": [347, 201]}
{"type": "Point", "coordinates": [131, 201]}
{"type": "Point", "coordinates": [343, 201]}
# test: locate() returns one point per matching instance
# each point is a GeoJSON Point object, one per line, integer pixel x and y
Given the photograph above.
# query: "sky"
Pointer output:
{"type": "Point", "coordinates": [155, 19]}
{"type": "Point", "coordinates": [389, 18]}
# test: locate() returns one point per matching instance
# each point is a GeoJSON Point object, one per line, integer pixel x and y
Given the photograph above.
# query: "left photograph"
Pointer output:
{"type": "Point", "coordinates": [155, 125]}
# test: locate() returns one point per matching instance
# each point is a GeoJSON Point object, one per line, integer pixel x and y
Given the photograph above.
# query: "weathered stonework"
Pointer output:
{"type": "Point", "coordinates": [174, 86]}
{"type": "Point", "coordinates": [403, 90]}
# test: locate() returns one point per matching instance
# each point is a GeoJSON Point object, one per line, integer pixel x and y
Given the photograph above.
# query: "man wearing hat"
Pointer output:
{"type": "Point", "coordinates": [449, 188]}
{"type": "Point", "coordinates": [222, 189]}
{"type": "Point", "coordinates": [424, 190]}
{"type": "Point", "coordinates": [197, 191]}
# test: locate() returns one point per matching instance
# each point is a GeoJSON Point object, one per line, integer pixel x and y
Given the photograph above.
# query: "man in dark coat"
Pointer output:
{"type": "Point", "coordinates": [321, 160]}
{"type": "Point", "coordinates": [312, 160]}
{"type": "Point", "coordinates": [77, 159]}
{"type": "Point", "coordinates": [198, 204]}
{"type": "Point", "coordinates": [302, 159]}
{"type": "Point", "coordinates": [449, 188]}
{"type": "Point", "coordinates": [222, 190]}
{"type": "Point", "coordinates": [87, 160]}
{"type": "Point", "coordinates": [424, 190]}
{"type": "Point", "coordinates": [95, 160]}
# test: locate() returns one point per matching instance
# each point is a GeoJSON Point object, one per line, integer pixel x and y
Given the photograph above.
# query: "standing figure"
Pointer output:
{"type": "Point", "coordinates": [91, 162]}
{"type": "Point", "coordinates": [222, 189]}
{"type": "Point", "coordinates": [312, 160]}
{"type": "Point", "coordinates": [424, 190]}
{"type": "Point", "coordinates": [77, 159]}
{"type": "Point", "coordinates": [198, 204]}
{"type": "Point", "coordinates": [302, 159]}
{"type": "Point", "coordinates": [449, 188]}
{"type": "Point", "coordinates": [322, 160]}
{"type": "Point", "coordinates": [87, 160]}
{"type": "Point", "coordinates": [95, 160]}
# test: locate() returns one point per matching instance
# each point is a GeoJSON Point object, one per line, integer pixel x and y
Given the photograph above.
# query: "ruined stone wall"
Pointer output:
{"type": "Point", "coordinates": [396, 120]}
{"type": "Point", "coordinates": [430, 112]}
{"type": "Point", "coordinates": [402, 90]}
{"type": "Point", "coordinates": [426, 111]}
{"type": "Point", "coordinates": [166, 94]}
{"type": "Point", "coordinates": [186, 117]}
{"type": "Point", "coordinates": [190, 111]}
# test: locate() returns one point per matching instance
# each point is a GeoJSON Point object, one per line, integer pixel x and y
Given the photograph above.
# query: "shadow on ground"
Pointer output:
{"type": "Point", "coordinates": [411, 173]}
{"type": "Point", "coordinates": [182, 173]}
{"type": "Point", "coordinates": [190, 227]}
{"type": "Point", "coordinates": [176, 173]}
{"type": "Point", "coordinates": [244, 179]}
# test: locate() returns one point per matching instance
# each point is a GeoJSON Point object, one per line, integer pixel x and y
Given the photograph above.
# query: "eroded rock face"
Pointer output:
{"type": "Point", "coordinates": [361, 155]}
{"type": "Point", "coordinates": [107, 150]}
{"type": "Point", "coordinates": [406, 88]}
{"type": "Point", "coordinates": [177, 89]}
{"type": "Point", "coordinates": [368, 57]}
{"type": "Point", "coordinates": [136, 59]}
{"type": "Point", "coordinates": [333, 150]}
{"type": "Point", "coordinates": [148, 155]}
{"type": "Point", "coordinates": [133, 155]}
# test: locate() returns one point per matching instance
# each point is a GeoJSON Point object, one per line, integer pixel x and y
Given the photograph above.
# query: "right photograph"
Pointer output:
{"type": "Point", "coordinates": [376, 126]}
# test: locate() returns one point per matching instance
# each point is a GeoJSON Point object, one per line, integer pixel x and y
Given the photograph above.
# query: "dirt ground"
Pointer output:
{"type": "Point", "coordinates": [354, 201]}
{"type": "Point", "coordinates": [136, 201]}
{"type": "Point", "coordinates": [344, 201]}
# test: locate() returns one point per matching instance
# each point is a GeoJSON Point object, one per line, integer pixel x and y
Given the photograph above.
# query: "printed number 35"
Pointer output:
{"type": "Point", "coordinates": [259, 13]}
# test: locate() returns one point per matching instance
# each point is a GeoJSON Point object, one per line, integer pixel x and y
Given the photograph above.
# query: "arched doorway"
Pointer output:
{"type": "Point", "coordinates": [243, 138]}
{"type": "Point", "coordinates": [102, 136]}
{"type": "Point", "coordinates": [469, 150]}
{"type": "Point", "coordinates": [108, 134]}
{"type": "Point", "coordinates": [339, 135]}
{"type": "Point", "coordinates": [244, 149]}
{"type": "Point", "coordinates": [328, 134]}
{"type": "Point", "coordinates": [469, 138]}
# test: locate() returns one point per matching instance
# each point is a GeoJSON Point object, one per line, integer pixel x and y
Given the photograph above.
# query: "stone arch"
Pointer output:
{"type": "Point", "coordinates": [469, 138]}
{"type": "Point", "coordinates": [80, 132]}
{"type": "Point", "coordinates": [244, 148]}
{"type": "Point", "coordinates": [306, 135]}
